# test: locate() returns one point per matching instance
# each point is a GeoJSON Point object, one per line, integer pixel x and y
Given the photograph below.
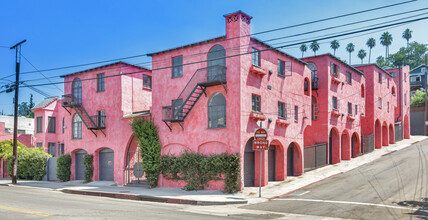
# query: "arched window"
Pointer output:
{"type": "Point", "coordinates": [306, 86]}
{"type": "Point", "coordinates": [314, 75]}
{"type": "Point", "coordinates": [216, 66]}
{"type": "Point", "coordinates": [362, 90]}
{"type": "Point", "coordinates": [217, 111]}
{"type": "Point", "coordinates": [393, 90]}
{"type": "Point", "coordinates": [77, 127]}
{"type": "Point", "coordinates": [77, 91]}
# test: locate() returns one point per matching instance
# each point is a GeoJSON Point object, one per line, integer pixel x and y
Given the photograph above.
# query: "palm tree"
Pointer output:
{"type": "Point", "coordinates": [371, 42]}
{"type": "Point", "coordinates": [362, 54]}
{"type": "Point", "coordinates": [407, 34]}
{"type": "Point", "coordinates": [314, 47]}
{"type": "Point", "coordinates": [350, 48]}
{"type": "Point", "coordinates": [386, 40]}
{"type": "Point", "coordinates": [334, 45]}
{"type": "Point", "coordinates": [303, 48]}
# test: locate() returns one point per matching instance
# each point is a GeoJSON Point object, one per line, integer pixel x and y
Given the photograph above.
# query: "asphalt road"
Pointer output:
{"type": "Point", "coordinates": [392, 187]}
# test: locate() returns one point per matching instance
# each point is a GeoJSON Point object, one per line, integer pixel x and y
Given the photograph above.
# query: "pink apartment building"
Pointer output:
{"type": "Point", "coordinates": [338, 107]}
{"type": "Point", "coordinates": [213, 106]}
{"type": "Point", "coordinates": [93, 118]}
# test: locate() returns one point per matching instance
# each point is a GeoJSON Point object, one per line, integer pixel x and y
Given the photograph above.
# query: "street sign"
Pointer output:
{"type": "Point", "coordinates": [260, 144]}
{"type": "Point", "coordinates": [260, 134]}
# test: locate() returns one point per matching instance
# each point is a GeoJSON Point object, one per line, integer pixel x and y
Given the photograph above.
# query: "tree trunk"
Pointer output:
{"type": "Point", "coordinates": [370, 53]}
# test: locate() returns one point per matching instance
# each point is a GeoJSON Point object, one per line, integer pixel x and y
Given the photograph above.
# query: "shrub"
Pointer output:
{"type": "Point", "coordinates": [63, 171]}
{"type": "Point", "coordinates": [88, 161]}
{"type": "Point", "coordinates": [31, 161]}
{"type": "Point", "coordinates": [148, 141]}
{"type": "Point", "coordinates": [197, 169]}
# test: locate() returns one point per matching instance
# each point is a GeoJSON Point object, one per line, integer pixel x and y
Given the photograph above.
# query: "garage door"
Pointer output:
{"type": "Point", "coordinates": [80, 168]}
{"type": "Point", "coordinates": [106, 164]}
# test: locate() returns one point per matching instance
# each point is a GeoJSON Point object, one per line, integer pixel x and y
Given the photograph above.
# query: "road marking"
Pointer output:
{"type": "Point", "coordinates": [353, 203]}
{"type": "Point", "coordinates": [25, 211]}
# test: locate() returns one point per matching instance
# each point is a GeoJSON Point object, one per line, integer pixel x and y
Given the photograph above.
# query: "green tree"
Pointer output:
{"type": "Point", "coordinates": [23, 109]}
{"type": "Point", "coordinates": [386, 40]}
{"type": "Point", "coordinates": [412, 56]}
{"type": "Point", "coordinates": [407, 34]}
{"type": "Point", "coordinates": [314, 47]}
{"type": "Point", "coordinates": [418, 100]}
{"type": "Point", "coordinates": [334, 45]}
{"type": "Point", "coordinates": [362, 54]}
{"type": "Point", "coordinates": [382, 62]}
{"type": "Point", "coordinates": [350, 48]}
{"type": "Point", "coordinates": [303, 48]}
{"type": "Point", "coordinates": [371, 42]}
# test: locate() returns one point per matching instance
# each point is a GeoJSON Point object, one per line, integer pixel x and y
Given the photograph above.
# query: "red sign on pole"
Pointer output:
{"type": "Point", "coordinates": [260, 141]}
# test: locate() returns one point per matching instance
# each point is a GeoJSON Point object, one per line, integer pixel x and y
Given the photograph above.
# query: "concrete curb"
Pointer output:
{"type": "Point", "coordinates": [152, 198]}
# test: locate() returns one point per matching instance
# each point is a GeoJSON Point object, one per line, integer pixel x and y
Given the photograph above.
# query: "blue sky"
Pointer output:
{"type": "Point", "coordinates": [62, 33]}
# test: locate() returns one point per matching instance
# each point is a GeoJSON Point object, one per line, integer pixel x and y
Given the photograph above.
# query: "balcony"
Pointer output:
{"type": "Point", "coordinates": [69, 100]}
{"type": "Point", "coordinates": [257, 116]}
{"type": "Point", "coordinates": [350, 117]}
{"type": "Point", "coordinates": [258, 71]}
{"type": "Point", "coordinates": [335, 112]}
{"type": "Point", "coordinates": [335, 78]}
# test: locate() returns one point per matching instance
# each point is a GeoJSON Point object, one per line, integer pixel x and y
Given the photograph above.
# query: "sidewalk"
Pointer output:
{"type": "Point", "coordinates": [214, 197]}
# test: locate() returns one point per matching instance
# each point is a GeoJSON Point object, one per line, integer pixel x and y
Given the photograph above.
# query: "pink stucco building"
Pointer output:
{"type": "Point", "coordinates": [93, 118]}
{"type": "Point", "coordinates": [402, 110]}
{"type": "Point", "coordinates": [213, 106]}
{"type": "Point", "coordinates": [338, 107]}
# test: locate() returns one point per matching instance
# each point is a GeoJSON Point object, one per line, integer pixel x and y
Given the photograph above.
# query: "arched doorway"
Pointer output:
{"type": "Point", "coordinates": [378, 135]}
{"type": "Point", "coordinates": [334, 147]}
{"type": "Point", "coordinates": [294, 160]}
{"type": "Point", "coordinates": [78, 163]}
{"type": "Point", "coordinates": [391, 134]}
{"type": "Point", "coordinates": [133, 163]}
{"type": "Point", "coordinates": [406, 127]}
{"type": "Point", "coordinates": [106, 164]}
{"type": "Point", "coordinates": [249, 163]}
{"type": "Point", "coordinates": [346, 148]}
{"type": "Point", "coordinates": [272, 163]}
{"type": "Point", "coordinates": [216, 60]}
{"type": "Point", "coordinates": [77, 91]}
{"type": "Point", "coordinates": [385, 138]}
{"type": "Point", "coordinates": [290, 160]}
{"type": "Point", "coordinates": [355, 145]}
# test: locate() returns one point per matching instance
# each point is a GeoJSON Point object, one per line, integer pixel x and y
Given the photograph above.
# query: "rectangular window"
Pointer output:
{"type": "Point", "coordinates": [379, 103]}
{"type": "Point", "coordinates": [39, 124]}
{"type": "Point", "coordinates": [63, 124]}
{"type": "Point", "coordinates": [177, 110]}
{"type": "Point", "coordinates": [387, 106]}
{"type": "Point", "coordinates": [281, 68]}
{"type": "Point", "coordinates": [101, 119]}
{"type": "Point", "coordinates": [380, 77]}
{"type": "Point", "coordinates": [349, 77]}
{"type": "Point", "coordinates": [334, 69]}
{"type": "Point", "coordinates": [356, 109]}
{"type": "Point", "coordinates": [100, 82]}
{"type": "Point", "coordinates": [52, 149]}
{"type": "Point", "coordinates": [405, 98]}
{"type": "Point", "coordinates": [281, 110]}
{"type": "Point", "coordinates": [177, 66]}
{"type": "Point", "coordinates": [147, 82]}
{"type": "Point", "coordinates": [296, 113]}
{"type": "Point", "coordinates": [60, 149]}
{"type": "Point", "coordinates": [255, 103]}
{"type": "Point", "coordinates": [51, 125]}
{"type": "Point", "coordinates": [334, 103]}
{"type": "Point", "coordinates": [423, 69]}
{"type": "Point", "coordinates": [349, 108]}
{"type": "Point", "coordinates": [387, 83]}
{"type": "Point", "coordinates": [20, 131]}
{"type": "Point", "coordinates": [39, 145]}
{"type": "Point", "coordinates": [256, 57]}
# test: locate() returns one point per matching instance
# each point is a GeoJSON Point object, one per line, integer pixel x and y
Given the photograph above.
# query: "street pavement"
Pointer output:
{"type": "Point", "coordinates": [392, 187]}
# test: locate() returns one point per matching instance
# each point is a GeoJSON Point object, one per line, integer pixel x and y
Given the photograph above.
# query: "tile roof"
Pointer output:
{"type": "Point", "coordinates": [331, 55]}
{"type": "Point", "coordinates": [45, 102]}
{"type": "Point", "coordinates": [107, 65]}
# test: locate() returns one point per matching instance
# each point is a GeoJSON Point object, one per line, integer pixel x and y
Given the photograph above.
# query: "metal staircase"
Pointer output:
{"type": "Point", "coordinates": [197, 85]}
{"type": "Point", "coordinates": [91, 122]}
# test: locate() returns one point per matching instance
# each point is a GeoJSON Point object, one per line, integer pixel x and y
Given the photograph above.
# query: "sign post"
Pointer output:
{"type": "Point", "coordinates": [260, 143]}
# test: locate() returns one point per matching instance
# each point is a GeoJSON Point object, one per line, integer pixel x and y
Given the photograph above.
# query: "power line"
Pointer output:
{"type": "Point", "coordinates": [262, 32]}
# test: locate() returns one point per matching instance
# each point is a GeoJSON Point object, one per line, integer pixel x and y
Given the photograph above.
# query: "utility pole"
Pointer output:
{"type": "Point", "coordinates": [426, 94]}
{"type": "Point", "coordinates": [17, 48]}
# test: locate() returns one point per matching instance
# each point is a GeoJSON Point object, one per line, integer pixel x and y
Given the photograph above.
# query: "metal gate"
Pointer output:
{"type": "Point", "coordinates": [134, 173]}
{"type": "Point", "coordinates": [249, 164]}
{"type": "Point", "coordinates": [315, 156]}
{"type": "Point", "coordinates": [271, 163]}
{"type": "Point", "coordinates": [398, 132]}
{"type": "Point", "coordinates": [80, 168]}
{"type": "Point", "coordinates": [106, 164]}
{"type": "Point", "coordinates": [367, 144]}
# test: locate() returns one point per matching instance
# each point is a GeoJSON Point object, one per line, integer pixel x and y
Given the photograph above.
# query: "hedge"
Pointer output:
{"type": "Point", "coordinates": [63, 171]}
{"type": "Point", "coordinates": [88, 161]}
{"type": "Point", "coordinates": [31, 161]}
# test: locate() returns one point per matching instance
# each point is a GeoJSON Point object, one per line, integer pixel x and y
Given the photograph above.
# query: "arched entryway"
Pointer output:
{"type": "Point", "coordinates": [275, 161]}
{"type": "Point", "coordinates": [106, 164]}
{"type": "Point", "coordinates": [249, 164]}
{"type": "Point", "coordinates": [78, 163]}
{"type": "Point", "coordinates": [133, 163]}
{"type": "Point", "coordinates": [378, 135]}
{"type": "Point", "coordinates": [346, 146]}
{"type": "Point", "coordinates": [355, 145]}
{"type": "Point", "coordinates": [294, 160]}
{"type": "Point", "coordinates": [391, 134]}
{"type": "Point", "coordinates": [385, 138]}
{"type": "Point", "coordinates": [406, 128]}
{"type": "Point", "coordinates": [334, 146]}
{"type": "Point", "coordinates": [271, 163]}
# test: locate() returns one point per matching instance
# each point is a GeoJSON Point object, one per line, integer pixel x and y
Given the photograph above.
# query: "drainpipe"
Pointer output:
{"type": "Point", "coordinates": [399, 82]}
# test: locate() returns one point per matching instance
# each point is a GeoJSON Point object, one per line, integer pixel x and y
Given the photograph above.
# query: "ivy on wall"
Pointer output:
{"type": "Point", "coordinates": [198, 169]}
{"type": "Point", "coordinates": [88, 161]}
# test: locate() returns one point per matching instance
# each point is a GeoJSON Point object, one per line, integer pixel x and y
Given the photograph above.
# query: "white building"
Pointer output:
{"type": "Point", "coordinates": [25, 125]}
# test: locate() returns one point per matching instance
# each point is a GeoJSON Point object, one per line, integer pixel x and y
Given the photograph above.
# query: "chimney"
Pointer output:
{"type": "Point", "coordinates": [237, 24]}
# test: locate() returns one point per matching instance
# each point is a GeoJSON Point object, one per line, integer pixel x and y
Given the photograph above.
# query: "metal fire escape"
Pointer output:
{"type": "Point", "coordinates": [95, 122]}
{"type": "Point", "coordinates": [197, 85]}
